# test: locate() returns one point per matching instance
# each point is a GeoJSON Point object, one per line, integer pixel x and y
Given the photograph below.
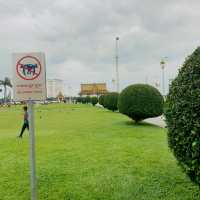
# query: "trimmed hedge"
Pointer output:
{"type": "Point", "coordinates": [110, 101]}
{"type": "Point", "coordinates": [182, 114]}
{"type": "Point", "coordinates": [94, 100]}
{"type": "Point", "coordinates": [140, 101]}
{"type": "Point", "coordinates": [79, 99]}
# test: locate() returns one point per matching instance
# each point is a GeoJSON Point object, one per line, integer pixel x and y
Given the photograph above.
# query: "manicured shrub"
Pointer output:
{"type": "Point", "coordinates": [111, 100]}
{"type": "Point", "coordinates": [94, 100]}
{"type": "Point", "coordinates": [182, 114]}
{"type": "Point", "coordinates": [101, 99]}
{"type": "Point", "coordinates": [79, 99]}
{"type": "Point", "coordinates": [140, 101]}
{"type": "Point", "coordinates": [83, 100]}
{"type": "Point", "coordinates": [88, 99]}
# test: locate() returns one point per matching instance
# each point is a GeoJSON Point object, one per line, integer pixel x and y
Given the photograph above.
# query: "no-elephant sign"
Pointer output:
{"type": "Point", "coordinates": [29, 76]}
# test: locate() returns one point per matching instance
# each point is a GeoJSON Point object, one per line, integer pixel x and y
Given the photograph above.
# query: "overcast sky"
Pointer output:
{"type": "Point", "coordinates": [78, 37]}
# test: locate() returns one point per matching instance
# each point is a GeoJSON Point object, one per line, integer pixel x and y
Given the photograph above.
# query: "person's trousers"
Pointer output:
{"type": "Point", "coordinates": [25, 125]}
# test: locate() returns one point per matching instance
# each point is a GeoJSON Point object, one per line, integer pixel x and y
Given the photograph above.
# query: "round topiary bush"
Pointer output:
{"type": "Point", "coordinates": [94, 100]}
{"type": "Point", "coordinates": [83, 100]}
{"type": "Point", "coordinates": [79, 99]}
{"type": "Point", "coordinates": [182, 115]}
{"type": "Point", "coordinates": [88, 99]}
{"type": "Point", "coordinates": [111, 100]}
{"type": "Point", "coordinates": [140, 101]}
{"type": "Point", "coordinates": [101, 99]}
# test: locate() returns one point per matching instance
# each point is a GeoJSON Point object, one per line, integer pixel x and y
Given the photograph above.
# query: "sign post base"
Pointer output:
{"type": "Point", "coordinates": [32, 150]}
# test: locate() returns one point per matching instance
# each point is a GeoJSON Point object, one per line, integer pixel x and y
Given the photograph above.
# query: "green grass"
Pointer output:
{"type": "Point", "coordinates": [88, 153]}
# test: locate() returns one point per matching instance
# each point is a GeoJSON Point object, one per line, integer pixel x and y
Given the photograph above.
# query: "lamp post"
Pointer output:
{"type": "Point", "coordinates": [162, 63]}
{"type": "Point", "coordinates": [146, 79]}
{"type": "Point", "coordinates": [117, 63]}
{"type": "Point", "coordinates": [70, 95]}
{"type": "Point", "coordinates": [113, 84]}
{"type": "Point", "coordinates": [0, 95]}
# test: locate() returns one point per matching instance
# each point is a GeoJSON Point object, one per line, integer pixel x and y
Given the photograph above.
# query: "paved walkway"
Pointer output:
{"type": "Point", "coordinates": [159, 121]}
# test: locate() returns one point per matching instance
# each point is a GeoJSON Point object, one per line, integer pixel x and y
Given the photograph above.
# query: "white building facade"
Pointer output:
{"type": "Point", "coordinates": [54, 87]}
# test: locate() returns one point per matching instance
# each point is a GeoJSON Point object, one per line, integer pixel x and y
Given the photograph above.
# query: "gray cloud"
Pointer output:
{"type": "Point", "coordinates": [78, 37]}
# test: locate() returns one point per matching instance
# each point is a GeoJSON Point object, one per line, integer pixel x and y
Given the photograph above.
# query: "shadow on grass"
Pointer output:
{"type": "Point", "coordinates": [139, 124]}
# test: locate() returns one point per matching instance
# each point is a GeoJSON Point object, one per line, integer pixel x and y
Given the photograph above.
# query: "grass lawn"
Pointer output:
{"type": "Point", "coordinates": [88, 153]}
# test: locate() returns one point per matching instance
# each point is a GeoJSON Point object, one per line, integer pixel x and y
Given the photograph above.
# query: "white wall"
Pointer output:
{"type": "Point", "coordinates": [54, 86]}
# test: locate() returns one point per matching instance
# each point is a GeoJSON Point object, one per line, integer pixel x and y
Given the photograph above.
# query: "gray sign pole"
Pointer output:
{"type": "Point", "coordinates": [32, 150]}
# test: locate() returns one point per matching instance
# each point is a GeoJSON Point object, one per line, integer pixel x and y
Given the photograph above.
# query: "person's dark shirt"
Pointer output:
{"type": "Point", "coordinates": [26, 117]}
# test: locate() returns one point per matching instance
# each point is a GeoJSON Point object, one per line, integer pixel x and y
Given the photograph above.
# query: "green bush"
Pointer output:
{"type": "Point", "coordinates": [88, 99]}
{"type": "Point", "coordinates": [83, 100]}
{"type": "Point", "coordinates": [182, 114]}
{"type": "Point", "coordinates": [101, 99]}
{"type": "Point", "coordinates": [94, 100]}
{"type": "Point", "coordinates": [79, 99]}
{"type": "Point", "coordinates": [111, 100]}
{"type": "Point", "coordinates": [140, 101]}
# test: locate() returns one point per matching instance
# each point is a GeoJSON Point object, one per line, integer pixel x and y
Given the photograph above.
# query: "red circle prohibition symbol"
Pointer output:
{"type": "Point", "coordinates": [20, 65]}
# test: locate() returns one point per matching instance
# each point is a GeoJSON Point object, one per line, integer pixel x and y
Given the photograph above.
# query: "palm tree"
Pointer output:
{"type": "Point", "coordinates": [6, 82]}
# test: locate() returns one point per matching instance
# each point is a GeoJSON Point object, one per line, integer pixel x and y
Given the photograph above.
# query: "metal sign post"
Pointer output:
{"type": "Point", "coordinates": [29, 84]}
{"type": "Point", "coordinates": [32, 150]}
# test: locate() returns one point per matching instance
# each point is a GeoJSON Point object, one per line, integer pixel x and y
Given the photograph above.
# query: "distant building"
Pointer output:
{"type": "Point", "coordinates": [54, 88]}
{"type": "Point", "coordinates": [93, 89]}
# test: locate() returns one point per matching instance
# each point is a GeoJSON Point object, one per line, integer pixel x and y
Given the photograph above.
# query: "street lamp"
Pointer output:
{"type": "Point", "coordinates": [70, 95]}
{"type": "Point", "coordinates": [146, 79]}
{"type": "Point", "coordinates": [117, 63]}
{"type": "Point", "coordinates": [162, 64]}
{"type": "Point", "coordinates": [113, 84]}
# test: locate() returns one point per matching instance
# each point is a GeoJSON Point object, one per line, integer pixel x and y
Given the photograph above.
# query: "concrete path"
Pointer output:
{"type": "Point", "coordinates": [159, 121]}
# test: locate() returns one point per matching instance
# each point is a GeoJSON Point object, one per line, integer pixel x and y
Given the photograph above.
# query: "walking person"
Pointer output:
{"type": "Point", "coordinates": [26, 123]}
